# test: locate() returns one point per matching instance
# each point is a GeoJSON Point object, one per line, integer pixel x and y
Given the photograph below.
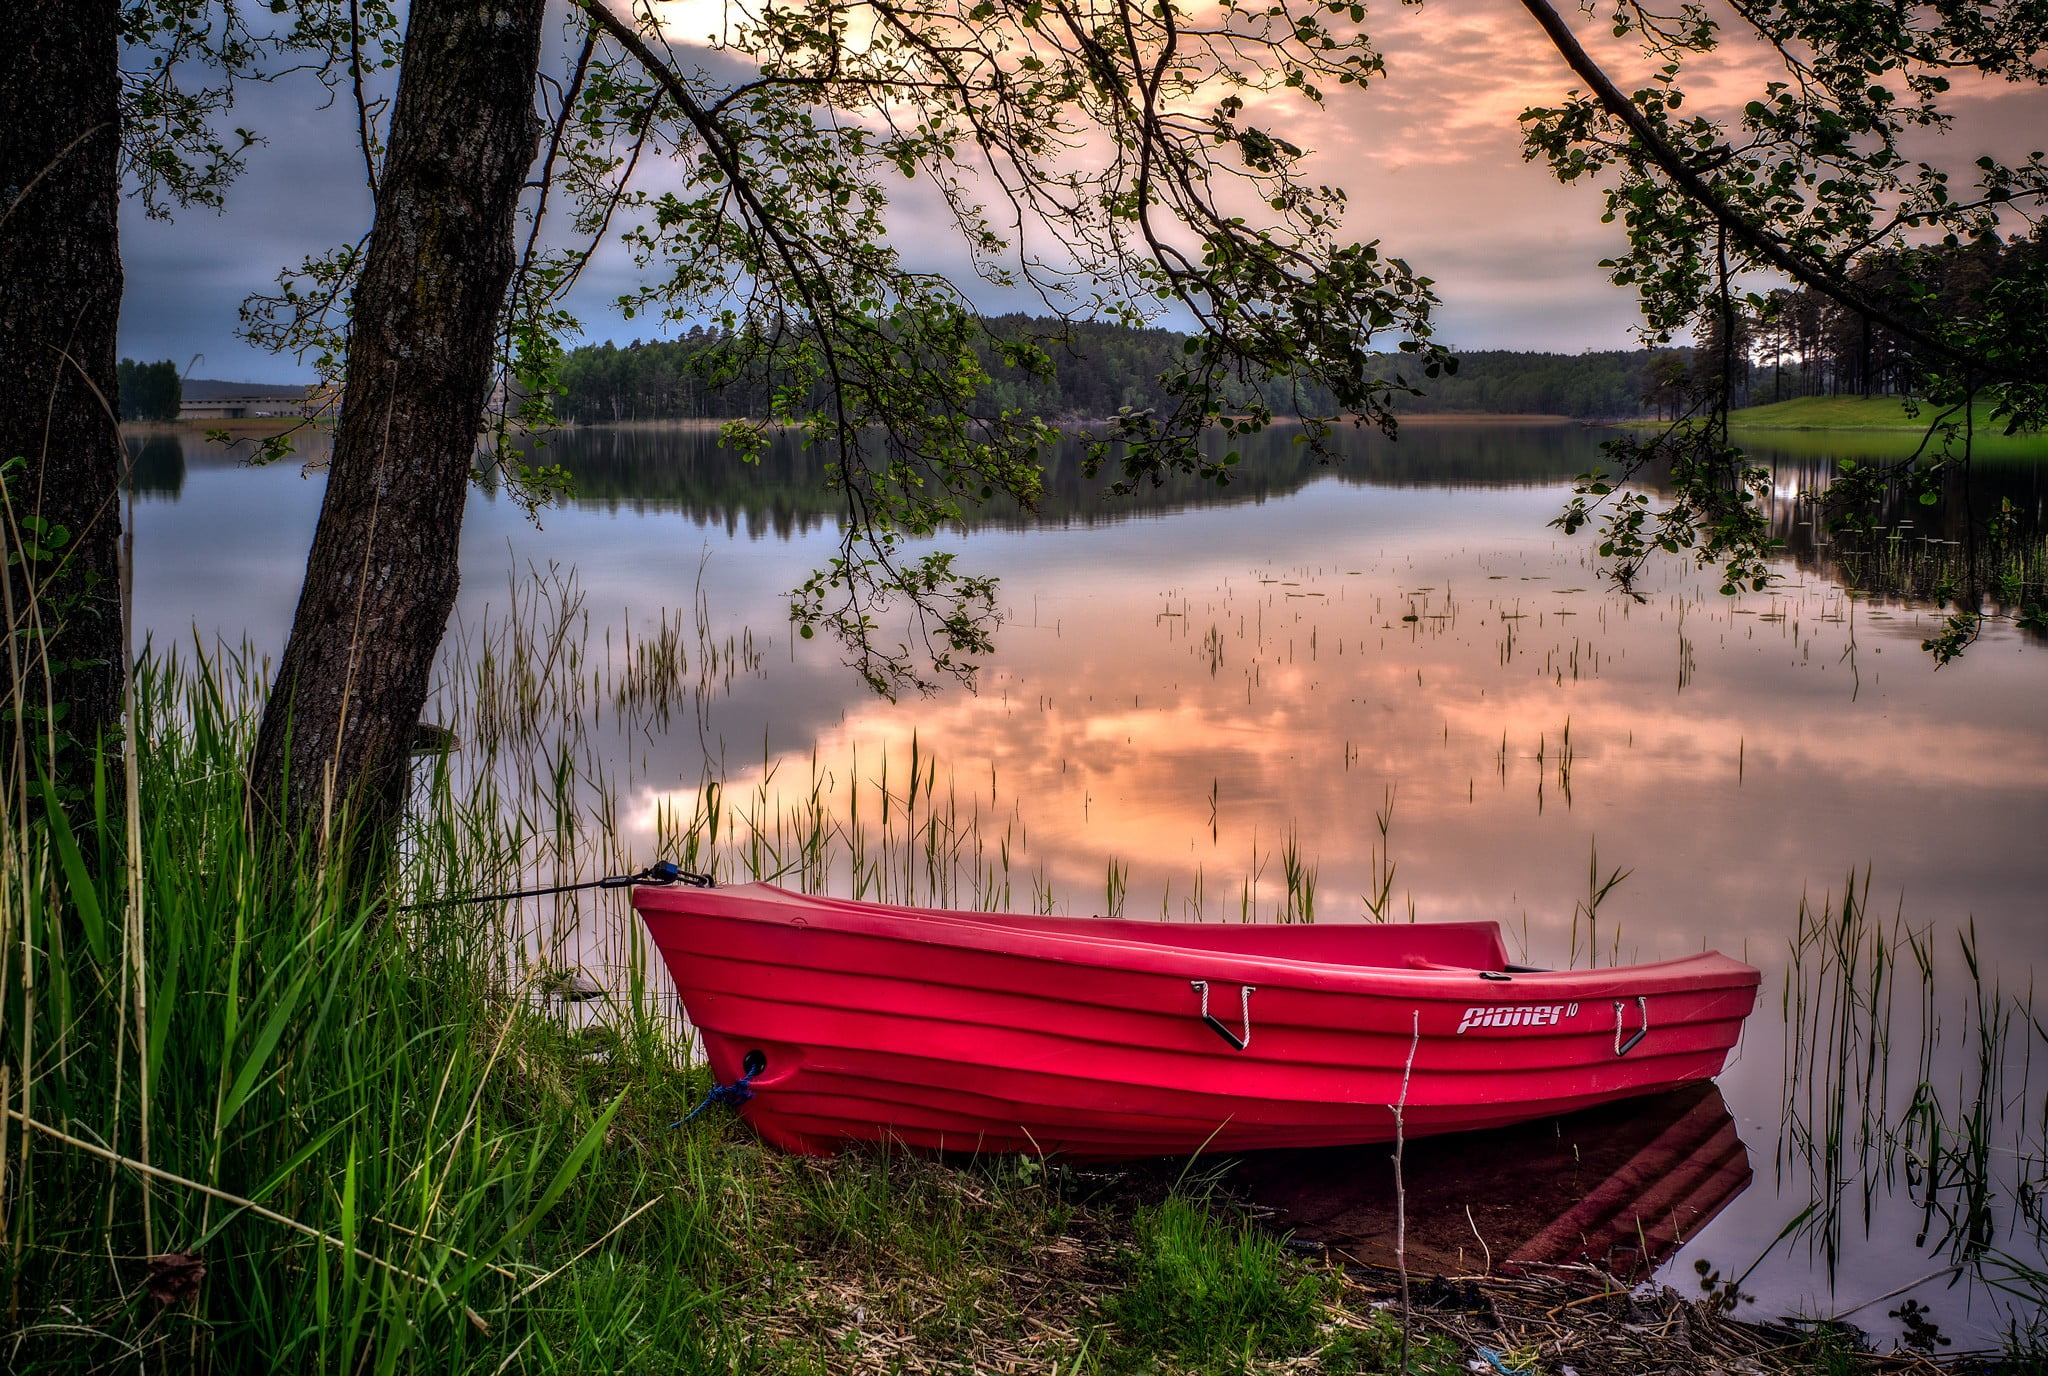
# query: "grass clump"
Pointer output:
{"type": "Point", "coordinates": [1212, 1291]}
{"type": "Point", "coordinates": [1200, 1287]}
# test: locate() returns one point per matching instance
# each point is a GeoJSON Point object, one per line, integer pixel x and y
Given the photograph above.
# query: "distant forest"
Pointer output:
{"type": "Point", "coordinates": [1789, 343]}
{"type": "Point", "coordinates": [1101, 368]}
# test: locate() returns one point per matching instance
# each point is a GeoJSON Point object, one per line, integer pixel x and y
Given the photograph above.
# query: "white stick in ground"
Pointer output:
{"type": "Point", "coordinates": [1400, 1108]}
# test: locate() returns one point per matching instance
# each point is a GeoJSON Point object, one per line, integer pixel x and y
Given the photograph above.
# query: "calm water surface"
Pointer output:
{"type": "Point", "coordinates": [1194, 688]}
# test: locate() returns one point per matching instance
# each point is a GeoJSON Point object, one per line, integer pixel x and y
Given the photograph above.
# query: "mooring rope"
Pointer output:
{"type": "Point", "coordinates": [734, 1094]}
{"type": "Point", "coordinates": [659, 873]}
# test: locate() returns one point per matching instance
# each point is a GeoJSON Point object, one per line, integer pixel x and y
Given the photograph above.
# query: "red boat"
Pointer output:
{"type": "Point", "coordinates": [1100, 1039]}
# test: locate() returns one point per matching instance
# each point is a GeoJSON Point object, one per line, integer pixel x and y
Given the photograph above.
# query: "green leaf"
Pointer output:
{"type": "Point", "coordinates": [585, 1148]}
{"type": "Point", "coordinates": [84, 894]}
{"type": "Point", "coordinates": [278, 1176]}
{"type": "Point", "coordinates": [256, 1064]}
{"type": "Point", "coordinates": [163, 1005]}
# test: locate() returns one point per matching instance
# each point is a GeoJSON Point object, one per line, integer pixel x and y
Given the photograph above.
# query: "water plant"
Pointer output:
{"type": "Point", "coordinates": [1116, 887]}
{"type": "Point", "coordinates": [1299, 875]}
{"type": "Point", "coordinates": [1378, 902]}
{"type": "Point", "coordinates": [1598, 889]}
{"type": "Point", "coordinates": [1897, 1075]}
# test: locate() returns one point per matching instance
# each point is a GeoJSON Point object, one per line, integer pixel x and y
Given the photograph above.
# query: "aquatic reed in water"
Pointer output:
{"type": "Point", "coordinates": [1897, 1073]}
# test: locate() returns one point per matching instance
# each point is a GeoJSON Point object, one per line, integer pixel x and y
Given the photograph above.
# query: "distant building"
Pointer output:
{"type": "Point", "coordinates": [242, 407]}
{"type": "Point", "coordinates": [208, 400]}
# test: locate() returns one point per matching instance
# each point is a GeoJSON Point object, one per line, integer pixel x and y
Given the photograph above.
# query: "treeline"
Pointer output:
{"type": "Point", "coordinates": [1798, 343]}
{"type": "Point", "coordinates": [149, 391]}
{"type": "Point", "coordinates": [1098, 369]}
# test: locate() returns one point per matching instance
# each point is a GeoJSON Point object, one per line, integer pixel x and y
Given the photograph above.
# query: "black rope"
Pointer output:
{"type": "Point", "coordinates": [661, 872]}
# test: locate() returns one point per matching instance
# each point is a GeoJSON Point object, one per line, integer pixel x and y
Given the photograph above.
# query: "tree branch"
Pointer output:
{"type": "Point", "coordinates": [1766, 246]}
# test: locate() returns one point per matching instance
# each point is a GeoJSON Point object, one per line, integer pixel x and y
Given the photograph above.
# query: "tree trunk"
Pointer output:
{"type": "Point", "coordinates": [381, 576]}
{"type": "Point", "coordinates": [60, 305]}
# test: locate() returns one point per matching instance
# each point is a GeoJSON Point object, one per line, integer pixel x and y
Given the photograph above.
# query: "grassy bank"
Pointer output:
{"type": "Point", "coordinates": [1877, 416]}
{"type": "Point", "coordinates": [258, 1120]}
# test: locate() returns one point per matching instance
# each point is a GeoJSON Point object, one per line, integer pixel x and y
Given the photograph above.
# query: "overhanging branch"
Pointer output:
{"type": "Point", "coordinates": [1766, 246]}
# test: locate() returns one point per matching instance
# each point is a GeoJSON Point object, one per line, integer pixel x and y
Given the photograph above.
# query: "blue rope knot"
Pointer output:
{"type": "Point", "coordinates": [734, 1094]}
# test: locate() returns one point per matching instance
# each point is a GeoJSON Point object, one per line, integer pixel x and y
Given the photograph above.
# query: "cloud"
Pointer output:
{"type": "Point", "coordinates": [302, 193]}
{"type": "Point", "coordinates": [1431, 156]}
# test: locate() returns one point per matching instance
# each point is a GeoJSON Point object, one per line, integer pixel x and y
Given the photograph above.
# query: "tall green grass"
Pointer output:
{"type": "Point", "coordinates": [258, 1069]}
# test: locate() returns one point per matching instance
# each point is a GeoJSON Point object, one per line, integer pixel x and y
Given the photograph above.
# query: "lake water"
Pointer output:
{"type": "Point", "coordinates": [1390, 679]}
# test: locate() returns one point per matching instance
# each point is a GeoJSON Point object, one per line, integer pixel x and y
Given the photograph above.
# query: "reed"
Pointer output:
{"type": "Point", "coordinates": [1908, 1064]}
{"type": "Point", "coordinates": [1378, 902]}
{"type": "Point", "coordinates": [1116, 887]}
{"type": "Point", "coordinates": [1299, 875]}
{"type": "Point", "coordinates": [1599, 889]}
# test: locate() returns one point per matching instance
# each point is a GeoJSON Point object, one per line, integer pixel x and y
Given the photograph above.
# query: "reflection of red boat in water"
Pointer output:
{"type": "Point", "coordinates": [1104, 1039]}
{"type": "Point", "coordinates": [1617, 1187]}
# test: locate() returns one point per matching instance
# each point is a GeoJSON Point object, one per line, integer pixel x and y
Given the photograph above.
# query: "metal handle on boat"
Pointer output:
{"type": "Point", "coordinates": [1622, 1048]}
{"type": "Point", "coordinates": [1244, 1004]}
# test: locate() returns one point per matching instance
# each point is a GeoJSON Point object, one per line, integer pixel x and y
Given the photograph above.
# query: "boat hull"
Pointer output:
{"type": "Point", "coordinates": [1085, 1037]}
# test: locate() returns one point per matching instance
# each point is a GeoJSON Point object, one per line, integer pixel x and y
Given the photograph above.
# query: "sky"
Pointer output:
{"type": "Point", "coordinates": [1430, 157]}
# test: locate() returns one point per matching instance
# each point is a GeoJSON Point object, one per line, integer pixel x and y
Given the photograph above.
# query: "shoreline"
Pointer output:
{"type": "Point", "coordinates": [1080, 427]}
{"type": "Point", "coordinates": [249, 426]}
{"type": "Point", "coordinates": [1739, 422]}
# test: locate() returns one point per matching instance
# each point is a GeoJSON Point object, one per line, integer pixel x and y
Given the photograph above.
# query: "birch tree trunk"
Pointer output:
{"type": "Point", "coordinates": [60, 304]}
{"type": "Point", "coordinates": [381, 576]}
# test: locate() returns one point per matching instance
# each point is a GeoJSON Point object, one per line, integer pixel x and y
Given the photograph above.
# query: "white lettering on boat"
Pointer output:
{"type": "Point", "coordinates": [1526, 1015]}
